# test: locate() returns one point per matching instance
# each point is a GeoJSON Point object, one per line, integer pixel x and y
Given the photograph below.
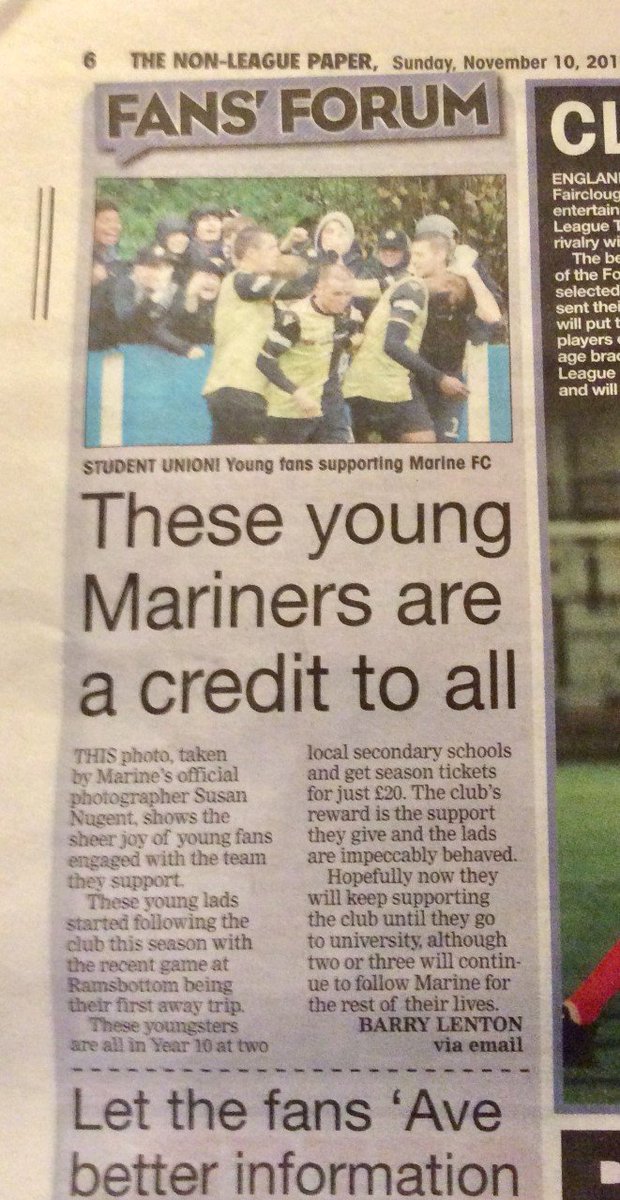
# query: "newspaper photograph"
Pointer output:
{"type": "Point", "coordinates": [579, 290]}
{"type": "Point", "coordinates": [183, 319]}
{"type": "Point", "coordinates": [319, 586]}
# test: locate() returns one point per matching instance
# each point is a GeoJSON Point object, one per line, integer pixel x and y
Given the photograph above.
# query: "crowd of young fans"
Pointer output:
{"type": "Point", "coordinates": [313, 340]}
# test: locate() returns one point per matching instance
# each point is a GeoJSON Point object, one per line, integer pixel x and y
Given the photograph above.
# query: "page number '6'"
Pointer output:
{"type": "Point", "coordinates": [90, 59]}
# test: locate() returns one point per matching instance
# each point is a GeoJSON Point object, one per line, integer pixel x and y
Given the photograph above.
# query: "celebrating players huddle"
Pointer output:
{"type": "Point", "coordinates": [313, 342]}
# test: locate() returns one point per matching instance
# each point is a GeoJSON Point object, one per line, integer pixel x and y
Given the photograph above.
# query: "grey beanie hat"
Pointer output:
{"type": "Point", "coordinates": [435, 223]}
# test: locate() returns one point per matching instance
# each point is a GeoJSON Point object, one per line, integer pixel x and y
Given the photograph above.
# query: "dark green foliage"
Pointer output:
{"type": "Point", "coordinates": [476, 203]}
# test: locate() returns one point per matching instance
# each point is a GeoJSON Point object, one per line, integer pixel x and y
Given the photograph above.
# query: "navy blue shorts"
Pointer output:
{"type": "Point", "coordinates": [333, 427]}
{"type": "Point", "coordinates": [238, 417]}
{"type": "Point", "coordinates": [447, 414]}
{"type": "Point", "coordinates": [380, 421]}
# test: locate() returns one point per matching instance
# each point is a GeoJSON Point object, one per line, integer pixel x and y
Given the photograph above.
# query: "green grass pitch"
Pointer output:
{"type": "Point", "coordinates": [588, 823]}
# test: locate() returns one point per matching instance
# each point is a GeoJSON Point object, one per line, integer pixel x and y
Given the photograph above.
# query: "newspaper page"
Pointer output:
{"type": "Point", "coordinates": [312, 543]}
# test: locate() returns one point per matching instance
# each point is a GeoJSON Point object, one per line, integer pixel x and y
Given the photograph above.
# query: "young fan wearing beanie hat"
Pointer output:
{"type": "Point", "coordinates": [391, 258]}
{"type": "Point", "coordinates": [460, 255]}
